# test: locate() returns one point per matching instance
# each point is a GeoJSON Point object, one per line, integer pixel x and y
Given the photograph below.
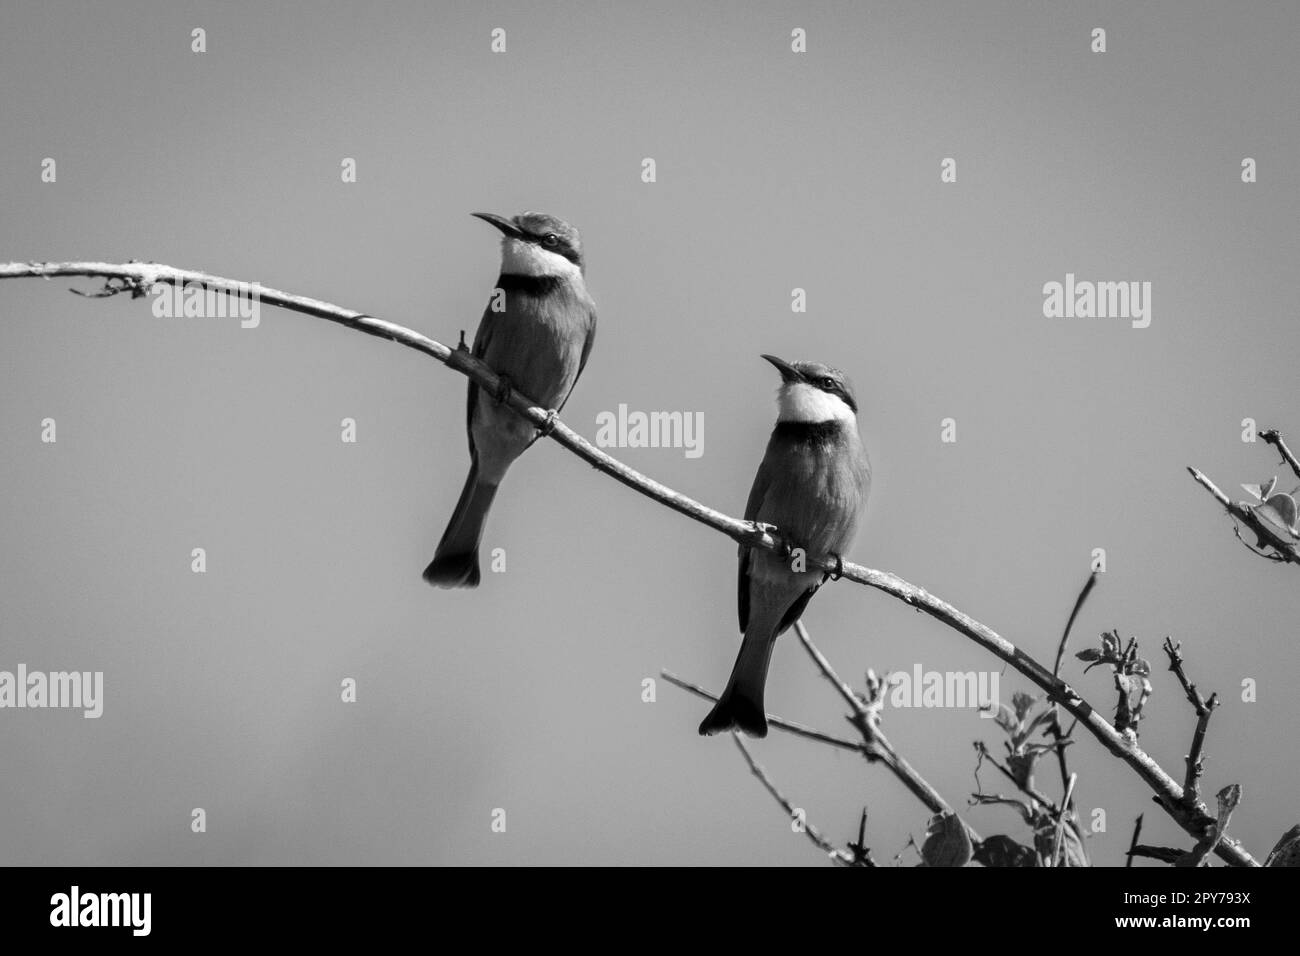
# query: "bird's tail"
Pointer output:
{"type": "Point", "coordinates": [741, 705]}
{"type": "Point", "coordinates": [455, 563]}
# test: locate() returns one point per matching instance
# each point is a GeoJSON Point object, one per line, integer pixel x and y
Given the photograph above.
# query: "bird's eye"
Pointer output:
{"type": "Point", "coordinates": [828, 384]}
{"type": "Point", "coordinates": [551, 239]}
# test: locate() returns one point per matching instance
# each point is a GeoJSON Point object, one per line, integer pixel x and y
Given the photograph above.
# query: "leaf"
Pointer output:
{"type": "Point", "coordinates": [1043, 717]}
{"type": "Point", "coordinates": [1001, 850]}
{"type": "Point", "coordinates": [1072, 852]}
{"type": "Point", "coordinates": [1022, 766]}
{"type": "Point", "coordinates": [1287, 850]}
{"type": "Point", "coordinates": [1285, 507]}
{"type": "Point", "coordinates": [1279, 516]}
{"type": "Point", "coordinates": [947, 842]}
{"type": "Point", "coordinates": [1089, 654]}
{"type": "Point", "coordinates": [1021, 703]}
{"type": "Point", "coordinates": [1005, 719]}
{"type": "Point", "coordinates": [1228, 798]}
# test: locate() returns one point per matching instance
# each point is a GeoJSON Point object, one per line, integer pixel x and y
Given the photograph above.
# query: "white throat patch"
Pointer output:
{"type": "Point", "coordinates": [530, 259]}
{"type": "Point", "coordinates": [800, 402]}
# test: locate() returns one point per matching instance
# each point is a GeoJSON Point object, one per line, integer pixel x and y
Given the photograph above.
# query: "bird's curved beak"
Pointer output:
{"type": "Point", "coordinates": [788, 372]}
{"type": "Point", "coordinates": [501, 222]}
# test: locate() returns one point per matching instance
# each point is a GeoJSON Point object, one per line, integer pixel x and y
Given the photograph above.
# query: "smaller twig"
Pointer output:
{"type": "Point", "coordinates": [823, 844]}
{"type": "Point", "coordinates": [1027, 811]}
{"type": "Point", "coordinates": [1274, 438]}
{"type": "Point", "coordinates": [910, 844]}
{"type": "Point", "coordinates": [1266, 555]}
{"type": "Point", "coordinates": [876, 745]}
{"type": "Point", "coordinates": [1028, 789]}
{"type": "Point", "coordinates": [1054, 728]}
{"type": "Point", "coordinates": [1211, 487]}
{"type": "Point", "coordinates": [1165, 854]}
{"type": "Point", "coordinates": [789, 726]}
{"type": "Point", "coordinates": [1132, 844]}
{"type": "Point", "coordinates": [861, 852]}
{"type": "Point", "coordinates": [1078, 606]}
{"type": "Point", "coordinates": [1204, 709]}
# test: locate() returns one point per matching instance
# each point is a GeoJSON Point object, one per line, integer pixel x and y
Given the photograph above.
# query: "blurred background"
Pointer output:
{"type": "Point", "coordinates": [775, 170]}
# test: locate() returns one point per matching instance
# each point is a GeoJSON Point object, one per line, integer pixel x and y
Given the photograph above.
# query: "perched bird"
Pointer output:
{"type": "Point", "coordinates": [538, 344]}
{"type": "Point", "coordinates": [812, 485]}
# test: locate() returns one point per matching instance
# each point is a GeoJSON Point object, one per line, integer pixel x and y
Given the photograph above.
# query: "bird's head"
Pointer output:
{"type": "Point", "coordinates": [535, 244]}
{"type": "Point", "coordinates": [813, 392]}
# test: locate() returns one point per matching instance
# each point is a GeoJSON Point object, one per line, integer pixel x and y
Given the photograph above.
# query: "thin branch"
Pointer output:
{"type": "Point", "coordinates": [876, 744]}
{"type": "Point", "coordinates": [140, 278]}
{"type": "Point", "coordinates": [1273, 437]}
{"type": "Point", "coordinates": [823, 844]}
{"type": "Point", "coordinates": [1027, 787]}
{"type": "Point", "coordinates": [1133, 843]}
{"type": "Point", "coordinates": [1069, 624]}
{"type": "Point", "coordinates": [1026, 810]}
{"type": "Point", "coordinates": [1040, 802]}
{"type": "Point", "coordinates": [1204, 709]}
{"type": "Point", "coordinates": [789, 726]}
{"type": "Point", "coordinates": [1287, 550]}
{"type": "Point", "coordinates": [861, 852]}
{"type": "Point", "coordinates": [1165, 854]}
{"type": "Point", "coordinates": [1059, 737]}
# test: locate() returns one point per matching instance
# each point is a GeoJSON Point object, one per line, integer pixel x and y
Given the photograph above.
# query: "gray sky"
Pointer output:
{"type": "Point", "coordinates": [775, 171]}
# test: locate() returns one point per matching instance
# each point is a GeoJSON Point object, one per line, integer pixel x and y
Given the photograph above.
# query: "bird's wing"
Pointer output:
{"type": "Point", "coordinates": [756, 495]}
{"type": "Point", "coordinates": [795, 611]}
{"type": "Point", "coordinates": [486, 326]}
{"type": "Point", "coordinates": [582, 362]}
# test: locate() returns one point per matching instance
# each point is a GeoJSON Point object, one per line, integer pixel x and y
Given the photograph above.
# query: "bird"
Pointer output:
{"type": "Point", "coordinates": [537, 344]}
{"type": "Point", "coordinates": [812, 485]}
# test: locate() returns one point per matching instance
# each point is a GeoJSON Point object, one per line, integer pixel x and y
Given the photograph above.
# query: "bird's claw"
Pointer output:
{"type": "Point", "coordinates": [548, 426]}
{"type": "Point", "coordinates": [786, 550]}
{"type": "Point", "coordinates": [762, 528]}
{"type": "Point", "coordinates": [839, 568]}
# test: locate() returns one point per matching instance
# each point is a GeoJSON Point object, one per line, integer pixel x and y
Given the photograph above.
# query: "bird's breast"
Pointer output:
{"type": "Point", "coordinates": [818, 486]}
{"type": "Point", "coordinates": [538, 339]}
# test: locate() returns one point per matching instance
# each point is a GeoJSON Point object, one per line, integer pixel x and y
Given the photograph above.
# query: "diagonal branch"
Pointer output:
{"type": "Point", "coordinates": [139, 278]}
